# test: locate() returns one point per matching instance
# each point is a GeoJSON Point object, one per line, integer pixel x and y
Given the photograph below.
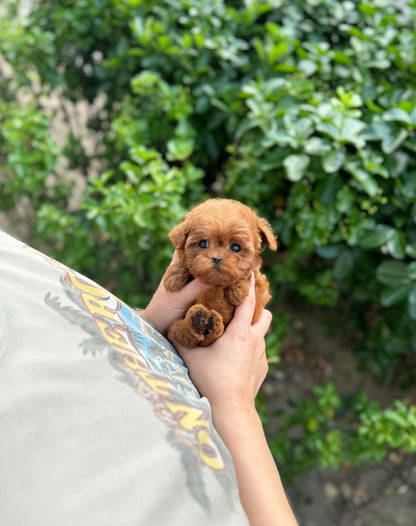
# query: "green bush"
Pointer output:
{"type": "Point", "coordinates": [28, 156]}
{"type": "Point", "coordinates": [305, 110]}
{"type": "Point", "coordinates": [332, 431]}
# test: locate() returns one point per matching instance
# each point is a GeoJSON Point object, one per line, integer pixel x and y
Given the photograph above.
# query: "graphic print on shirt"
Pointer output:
{"type": "Point", "coordinates": [145, 360]}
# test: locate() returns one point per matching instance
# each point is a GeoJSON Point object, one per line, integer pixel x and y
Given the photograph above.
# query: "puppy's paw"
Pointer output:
{"type": "Point", "coordinates": [179, 332]}
{"type": "Point", "coordinates": [201, 322]}
{"type": "Point", "coordinates": [205, 323]}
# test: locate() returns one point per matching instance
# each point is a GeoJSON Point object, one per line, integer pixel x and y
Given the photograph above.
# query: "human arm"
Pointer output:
{"type": "Point", "coordinates": [229, 373]}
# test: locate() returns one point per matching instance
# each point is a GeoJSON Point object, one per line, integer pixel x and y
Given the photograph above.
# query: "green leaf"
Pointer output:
{"type": "Point", "coordinates": [411, 248]}
{"type": "Point", "coordinates": [352, 128]}
{"type": "Point", "coordinates": [396, 418]}
{"type": "Point", "coordinates": [278, 50]}
{"type": "Point", "coordinates": [377, 130]}
{"type": "Point", "coordinates": [411, 308]}
{"type": "Point", "coordinates": [273, 160]}
{"type": "Point", "coordinates": [179, 149]}
{"type": "Point", "coordinates": [397, 245]}
{"type": "Point", "coordinates": [367, 182]}
{"type": "Point", "coordinates": [411, 270]}
{"type": "Point", "coordinates": [333, 161]}
{"type": "Point", "coordinates": [397, 114]}
{"type": "Point", "coordinates": [317, 146]}
{"type": "Point", "coordinates": [185, 129]}
{"type": "Point", "coordinates": [307, 67]}
{"type": "Point", "coordinates": [303, 128]}
{"type": "Point", "coordinates": [329, 129]}
{"type": "Point", "coordinates": [390, 143]}
{"type": "Point", "coordinates": [379, 236]}
{"type": "Point", "coordinates": [344, 199]}
{"type": "Point", "coordinates": [391, 296]}
{"type": "Point", "coordinates": [279, 137]}
{"type": "Point", "coordinates": [344, 265]}
{"type": "Point", "coordinates": [328, 251]}
{"type": "Point", "coordinates": [295, 166]}
{"type": "Point", "coordinates": [351, 100]}
{"type": "Point", "coordinates": [392, 273]}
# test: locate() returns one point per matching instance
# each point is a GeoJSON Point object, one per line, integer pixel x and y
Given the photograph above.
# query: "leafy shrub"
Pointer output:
{"type": "Point", "coordinates": [332, 431]}
{"type": "Point", "coordinates": [304, 109]}
{"type": "Point", "coordinates": [28, 156]}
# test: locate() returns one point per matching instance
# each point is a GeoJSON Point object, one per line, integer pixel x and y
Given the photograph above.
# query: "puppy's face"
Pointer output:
{"type": "Point", "coordinates": [220, 240]}
{"type": "Point", "coordinates": [219, 251]}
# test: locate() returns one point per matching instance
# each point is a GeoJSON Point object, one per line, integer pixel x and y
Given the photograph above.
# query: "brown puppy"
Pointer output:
{"type": "Point", "coordinates": [218, 242]}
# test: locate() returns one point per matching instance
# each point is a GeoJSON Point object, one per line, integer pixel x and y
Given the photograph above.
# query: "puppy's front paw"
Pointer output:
{"type": "Point", "coordinates": [202, 323]}
{"type": "Point", "coordinates": [205, 323]}
{"type": "Point", "coordinates": [200, 327]}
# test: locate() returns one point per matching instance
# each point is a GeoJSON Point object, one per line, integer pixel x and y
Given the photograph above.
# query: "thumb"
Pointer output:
{"type": "Point", "coordinates": [244, 312]}
{"type": "Point", "coordinates": [263, 324]}
{"type": "Point", "coordinates": [190, 292]}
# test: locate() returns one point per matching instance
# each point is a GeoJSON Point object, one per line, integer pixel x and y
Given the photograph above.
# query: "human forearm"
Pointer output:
{"type": "Point", "coordinates": [229, 373]}
{"type": "Point", "coordinates": [261, 491]}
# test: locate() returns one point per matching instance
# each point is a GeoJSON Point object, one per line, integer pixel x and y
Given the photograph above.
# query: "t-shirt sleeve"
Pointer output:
{"type": "Point", "coordinates": [100, 422]}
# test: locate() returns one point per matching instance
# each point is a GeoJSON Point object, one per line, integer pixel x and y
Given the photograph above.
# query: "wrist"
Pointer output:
{"type": "Point", "coordinates": [234, 416]}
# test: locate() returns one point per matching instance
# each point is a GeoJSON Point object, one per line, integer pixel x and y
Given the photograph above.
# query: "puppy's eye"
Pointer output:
{"type": "Point", "coordinates": [203, 244]}
{"type": "Point", "coordinates": [235, 248]}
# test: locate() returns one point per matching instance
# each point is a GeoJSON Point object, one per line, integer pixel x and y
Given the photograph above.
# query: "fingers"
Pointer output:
{"type": "Point", "coordinates": [244, 312]}
{"type": "Point", "coordinates": [183, 351]}
{"type": "Point", "coordinates": [191, 291]}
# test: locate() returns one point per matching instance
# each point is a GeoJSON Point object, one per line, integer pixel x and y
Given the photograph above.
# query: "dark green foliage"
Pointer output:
{"type": "Point", "coordinates": [330, 430]}
{"type": "Point", "coordinates": [305, 110]}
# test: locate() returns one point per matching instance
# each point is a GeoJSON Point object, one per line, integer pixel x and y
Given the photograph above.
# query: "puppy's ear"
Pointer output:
{"type": "Point", "coordinates": [266, 233]}
{"type": "Point", "coordinates": [178, 234]}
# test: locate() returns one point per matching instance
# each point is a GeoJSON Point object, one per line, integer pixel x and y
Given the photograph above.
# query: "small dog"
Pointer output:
{"type": "Point", "coordinates": [218, 242]}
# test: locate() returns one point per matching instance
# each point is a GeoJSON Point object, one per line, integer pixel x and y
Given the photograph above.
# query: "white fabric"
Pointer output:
{"type": "Point", "coordinates": [99, 421]}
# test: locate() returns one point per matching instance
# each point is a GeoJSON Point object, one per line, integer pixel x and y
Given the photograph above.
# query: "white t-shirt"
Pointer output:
{"type": "Point", "coordinates": [99, 421]}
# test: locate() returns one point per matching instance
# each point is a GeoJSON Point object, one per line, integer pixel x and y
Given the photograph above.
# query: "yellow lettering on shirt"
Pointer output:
{"type": "Point", "coordinates": [110, 325]}
{"type": "Point", "coordinates": [94, 290]}
{"type": "Point", "coordinates": [118, 339]}
{"type": "Point", "coordinates": [156, 384]}
{"type": "Point", "coordinates": [97, 306]}
{"type": "Point", "coordinates": [208, 451]}
{"type": "Point", "coordinates": [188, 417]}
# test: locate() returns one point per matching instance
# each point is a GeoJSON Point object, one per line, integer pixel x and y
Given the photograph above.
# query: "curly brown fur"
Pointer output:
{"type": "Point", "coordinates": [218, 242]}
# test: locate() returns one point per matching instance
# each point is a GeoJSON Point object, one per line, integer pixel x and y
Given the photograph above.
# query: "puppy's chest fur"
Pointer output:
{"type": "Point", "coordinates": [217, 299]}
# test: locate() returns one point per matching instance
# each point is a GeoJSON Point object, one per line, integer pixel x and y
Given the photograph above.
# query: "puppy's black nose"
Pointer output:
{"type": "Point", "coordinates": [217, 260]}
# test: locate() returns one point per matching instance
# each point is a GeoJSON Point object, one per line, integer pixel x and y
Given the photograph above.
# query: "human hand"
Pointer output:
{"type": "Point", "coordinates": [166, 307]}
{"type": "Point", "coordinates": [231, 370]}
